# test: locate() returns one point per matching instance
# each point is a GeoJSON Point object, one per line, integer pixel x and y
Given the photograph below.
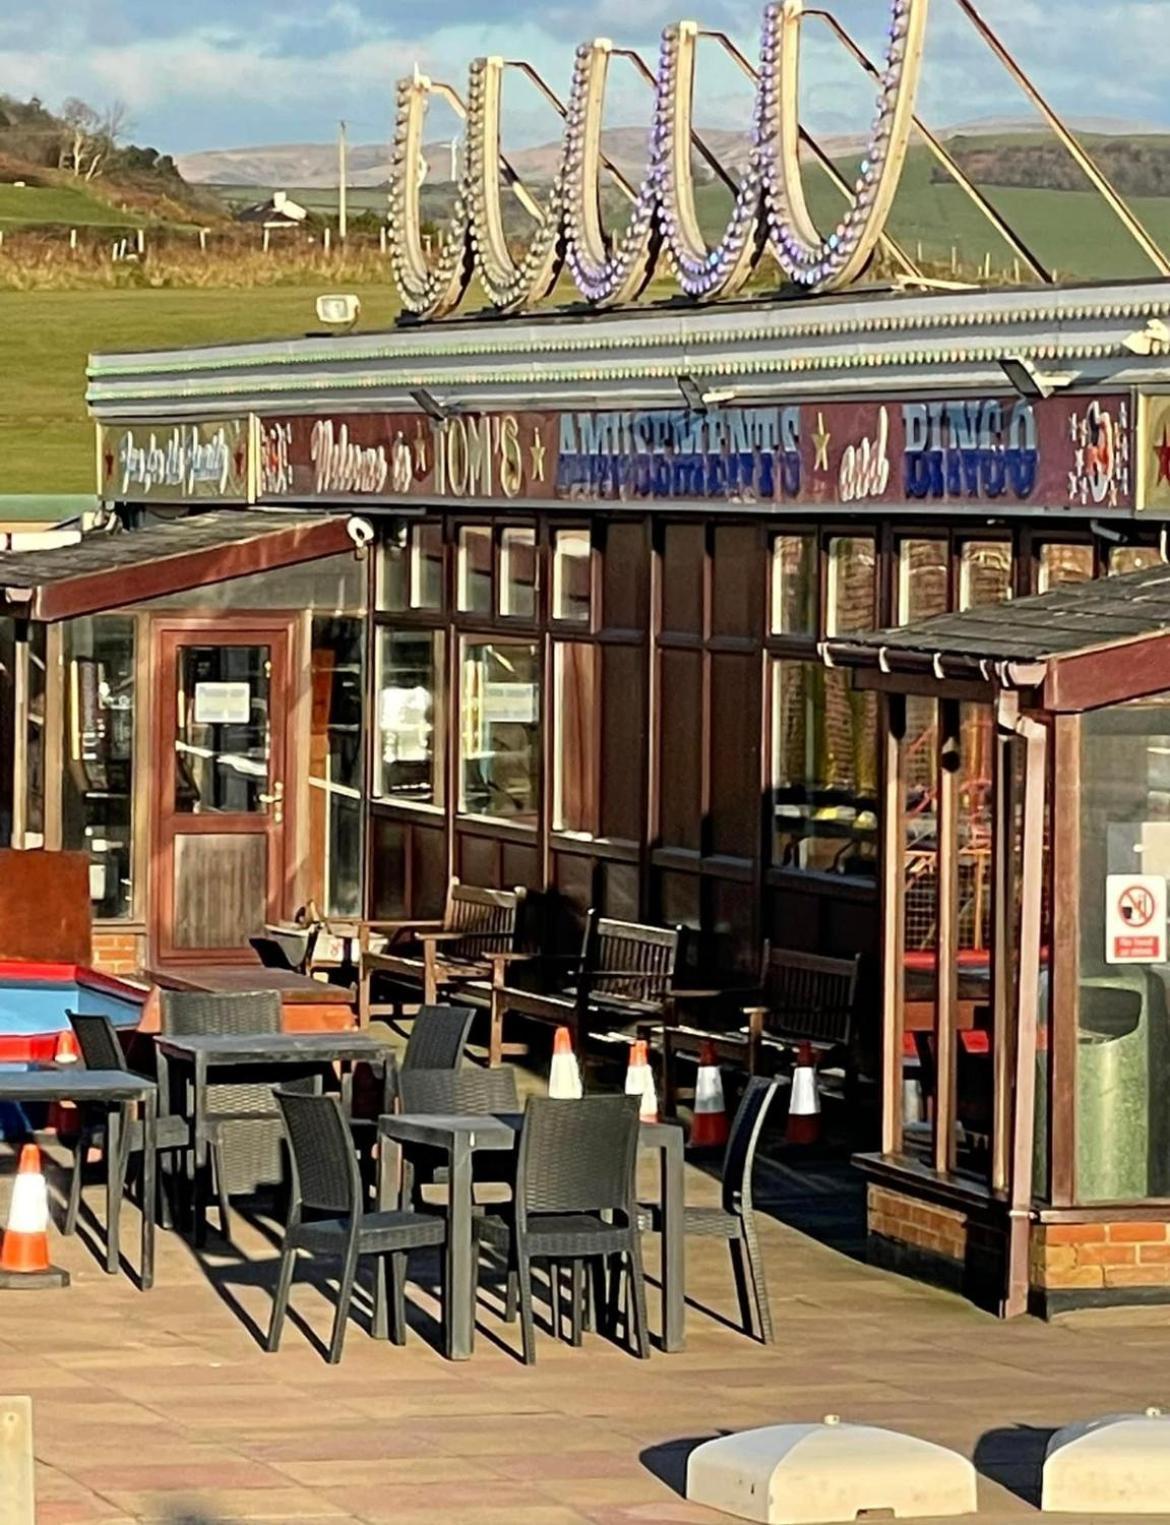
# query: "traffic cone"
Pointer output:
{"type": "Point", "coordinates": [564, 1078]}
{"type": "Point", "coordinates": [640, 1082]}
{"type": "Point", "coordinates": [62, 1119]}
{"type": "Point", "coordinates": [804, 1106]}
{"type": "Point", "coordinates": [709, 1129]}
{"type": "Point", "coordinates": [67, 1050]}
{"type": "Point", "coordinates": [24, 1254]}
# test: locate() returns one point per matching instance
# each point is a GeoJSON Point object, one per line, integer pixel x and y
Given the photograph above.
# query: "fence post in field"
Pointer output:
{"type": "Point", "coordinates": [73, 240]}
{"type": "Point", "coordinates": [142, 241]}
{"type": "Point", "coordinates": [16, 1462]}
{"type": "Point", "coordinates": [382, 240]}
{"type": "Point", "coordinates": [203, 240]}
{"type": "Point", "coordinates": [1, 238]}
{"type": "Point", "coordinates": [267, 240]}
{"type": "Point", "coordinates": [328, 233]}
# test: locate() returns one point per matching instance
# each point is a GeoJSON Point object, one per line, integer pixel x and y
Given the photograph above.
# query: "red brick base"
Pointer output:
{"type": "Point", "coordinates": [1071, 1264]}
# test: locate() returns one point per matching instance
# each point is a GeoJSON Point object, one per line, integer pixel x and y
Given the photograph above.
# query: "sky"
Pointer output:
{"type": "Point", "coordinates": [237, 73]}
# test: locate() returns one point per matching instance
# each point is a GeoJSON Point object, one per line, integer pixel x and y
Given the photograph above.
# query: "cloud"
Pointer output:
{"type": "Point", "coordinates": [257, 71]}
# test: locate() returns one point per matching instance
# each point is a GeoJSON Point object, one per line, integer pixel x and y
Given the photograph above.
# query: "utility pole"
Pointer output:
{"type": "Point", "coordinates": [342, 183]}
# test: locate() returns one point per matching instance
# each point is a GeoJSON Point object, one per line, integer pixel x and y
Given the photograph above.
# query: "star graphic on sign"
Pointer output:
{"type": "Point", "coordinates": [1162, 451]}
{"type": "Point", "coordinates": [420, 450]}
{"type": "Point", "coordinates": [538, 452]}
{"type": "Point", "coordinates": [821, 440]}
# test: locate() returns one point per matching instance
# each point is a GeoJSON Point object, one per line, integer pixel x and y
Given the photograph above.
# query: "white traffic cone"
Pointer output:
{"type": "Point", "coordinates": [564, 1077]}
{"type": "Point", "coordinates": [709, 1129]}
{"type": "Point", "coordinates": [24, 1253]}
{"type": "Point", "coordinates": [804, 1106]}
{"type": "Point", "coordinates": [640, 1082]}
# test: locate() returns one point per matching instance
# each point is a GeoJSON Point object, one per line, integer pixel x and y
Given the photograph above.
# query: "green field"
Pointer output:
{"type": "Point", "coordinates": [33, 206]}
{"type": "Point", "coordinates": [46, 439]}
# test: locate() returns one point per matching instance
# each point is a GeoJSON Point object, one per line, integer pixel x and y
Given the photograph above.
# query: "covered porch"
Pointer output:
{"type": "Point", "coordinates": [1025, 1152]}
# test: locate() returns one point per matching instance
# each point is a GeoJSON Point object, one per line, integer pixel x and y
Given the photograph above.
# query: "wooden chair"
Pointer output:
{"type": "Point", "coordinates": [802, 998]}
{"type": "Point", "coordinates": [429, 956]}
{"type": "Point", "coordinates": [624, 978]}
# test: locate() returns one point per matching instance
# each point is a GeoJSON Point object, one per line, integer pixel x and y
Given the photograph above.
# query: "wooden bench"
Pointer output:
{"type": "Point", "coordinates": [623, 978]}
{"type": "Point", "coordinates": [801, 998]}
{"type": "Point", "coordinates": [430, 956]}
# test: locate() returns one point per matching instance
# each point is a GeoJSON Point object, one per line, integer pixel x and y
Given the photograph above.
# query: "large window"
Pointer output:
{"type": "Point", "coordinates": [923, 579]}
{"type": "Point", "coordinates": [97, 789]}
{"type": "Point", "coordinates": [852, 587]}
{"type": "Point", "coordinates": [475, 569]}
{"type": "Point", "coordinates": [572, 581]}
{"type": "Point", "coordinates": [518, 578]}
{"type": "Point", "coordinates": [499, 754]}
{"type": "Point", "coordinates": [335, 765]}
{"type": "Point", "coordinates": [1123, 1035]}
{"type": "Point", "coordinates": [824, 770]}
{"type": "Point", "coordinates": [408, 715]}
{"type": "Point", "coordinates": [1061, 563]}
{"type": "Point", "coordinates": [795, 579]}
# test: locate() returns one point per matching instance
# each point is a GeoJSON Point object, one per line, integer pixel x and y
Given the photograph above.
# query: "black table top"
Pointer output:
{"type": "Point", "coordinates": [73, 1084]}
{"type": "Point", "coordinates": [488, 1131]}
{"type": "Point", "coordinates": [275, 1048]}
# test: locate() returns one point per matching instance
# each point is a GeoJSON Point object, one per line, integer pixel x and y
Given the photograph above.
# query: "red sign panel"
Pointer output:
{"type": "Point", "coordinates": [1065, 452]}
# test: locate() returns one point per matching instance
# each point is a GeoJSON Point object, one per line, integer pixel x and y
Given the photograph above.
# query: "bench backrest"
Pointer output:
{"type": "Point", "coordinates": [626, 961]}
{"type": "Point", "coordinates": [488, 919]}
{"type": "Point", "coordinates": [809, 996]}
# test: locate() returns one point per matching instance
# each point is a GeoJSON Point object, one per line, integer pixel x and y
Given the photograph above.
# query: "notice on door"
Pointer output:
{"type": "Point", "coordinates": [223, 703]}
{"type": "Point", "coordinates": [1135, 919]}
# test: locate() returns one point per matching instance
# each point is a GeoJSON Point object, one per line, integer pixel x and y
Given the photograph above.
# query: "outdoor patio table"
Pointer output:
{"type": "Point", "coordinates": [116, 1090]}
{"type": "Point", "coordinates": [203, 1052]}
{"type": "Point", "coordinates": [459, 1137]}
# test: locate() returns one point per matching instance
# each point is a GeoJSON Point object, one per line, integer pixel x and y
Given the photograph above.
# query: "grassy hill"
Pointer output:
{"type": "Point", "coordinates": [46, 439]}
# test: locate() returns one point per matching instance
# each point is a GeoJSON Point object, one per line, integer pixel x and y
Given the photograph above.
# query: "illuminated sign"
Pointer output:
{"type": "Point", "coordinates": [770, 211]}
{"type": "Point", "coordinates": [1065, 452]}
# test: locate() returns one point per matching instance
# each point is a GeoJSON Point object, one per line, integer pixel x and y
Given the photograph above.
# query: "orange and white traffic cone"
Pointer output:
{"type": "Point", "coordinates": [640, 1082]}
{"type": "Point", "coordinates": [62, 1119]}
{"type": "Point", "coordinates": [564, 1077]}
{"type": "Point", "coordinates": [24, 1254]}
{"type": "Point", "coordinates": [804, 1106]}
{"type": "Point", "coordinates": [709, 1129]}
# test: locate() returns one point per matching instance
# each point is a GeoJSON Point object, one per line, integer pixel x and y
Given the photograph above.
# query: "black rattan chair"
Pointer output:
{"type": "Point", "coordinates": [242, 1116]}
{"type": "Point", "coordinates": [735, 1220]}
{"type": "Point", "coordinates": [97, 1042]}
{"type": "Point", "coordinates": [459, 1091]}
{"type": "Point", "coordinates": [326, 1180]}
{"type": "Point", "coordinates": [437, 1038]}
{"type": "Point", "coordinates": [576, 1165]}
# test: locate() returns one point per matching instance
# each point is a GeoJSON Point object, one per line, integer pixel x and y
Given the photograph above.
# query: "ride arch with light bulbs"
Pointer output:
{"type": "Point", "coordinates": [637, 495]}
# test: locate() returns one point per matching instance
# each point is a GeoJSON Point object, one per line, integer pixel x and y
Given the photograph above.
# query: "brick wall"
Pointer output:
{"type": "Point", "coordinates": [925, 1226]}
{"type": "Point", "coordinates": [119, 952]}
{"type": "Point", "coordinates": [952, 1246]}
{"type": "Point", "coordinates": [1073, 1257]}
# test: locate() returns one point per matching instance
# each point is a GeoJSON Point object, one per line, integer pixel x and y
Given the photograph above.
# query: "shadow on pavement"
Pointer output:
{"type": "Point", "coordinates": [1014, 1458]}
{"type": "Point", "coordinates": [668, 1461]}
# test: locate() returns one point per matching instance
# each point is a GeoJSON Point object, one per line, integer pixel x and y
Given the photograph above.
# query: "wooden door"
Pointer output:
{"type": "Point", "coordinates": [220, 788]}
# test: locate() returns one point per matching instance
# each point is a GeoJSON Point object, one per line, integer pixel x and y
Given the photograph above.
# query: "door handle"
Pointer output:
{"type": "Point", "coordinates": [276, 800]}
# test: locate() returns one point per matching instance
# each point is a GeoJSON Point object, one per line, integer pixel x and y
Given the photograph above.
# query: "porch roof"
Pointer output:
{"type": "Point", "coordinates": [1109, 633]}
{"type": "Point", "coordinates": [107, 571]}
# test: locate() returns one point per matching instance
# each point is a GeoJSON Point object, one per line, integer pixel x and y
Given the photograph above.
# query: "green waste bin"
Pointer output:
{"type": "Point", "coordinates": [1122, 1051]}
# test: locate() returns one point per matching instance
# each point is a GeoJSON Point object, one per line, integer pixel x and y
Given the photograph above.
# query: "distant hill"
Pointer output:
{"type": "Point", "coordinates": [314, 165]}
{"type": "Point", "coordinates": [1137, 165]}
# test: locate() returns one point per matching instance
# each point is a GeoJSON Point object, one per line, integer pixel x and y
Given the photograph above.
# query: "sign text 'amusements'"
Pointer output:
{"type": "Point", "coordinates": [995, 452]}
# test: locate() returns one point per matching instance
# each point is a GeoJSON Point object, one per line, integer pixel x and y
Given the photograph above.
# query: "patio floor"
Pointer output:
{"type": "Point", "coordinates": [164, 1407]}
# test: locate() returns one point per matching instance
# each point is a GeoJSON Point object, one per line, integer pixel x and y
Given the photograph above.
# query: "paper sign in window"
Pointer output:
{"type": "Point", "coordinates": [223, 703]}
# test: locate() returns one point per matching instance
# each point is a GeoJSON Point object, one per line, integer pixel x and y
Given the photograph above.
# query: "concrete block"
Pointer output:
{"type": "Point", "coordinates": [811, 1474]}
{"type": "Point", "coordinates": [17, 1505]}
{"type": "Point", "coordinates": [1119, 1464]}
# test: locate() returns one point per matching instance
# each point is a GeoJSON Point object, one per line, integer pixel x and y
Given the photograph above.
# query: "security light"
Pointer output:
{"type": "Point", "coordinates": [339, 310]}
{"type": "Point", "coordinates": [438, 411]}
{"type": "Point", "coordinates": [697, 400]}
{"type": "Point", "coordinates": [1155, 335]}
{"type": "Point", "coordinates": [1026, 379]}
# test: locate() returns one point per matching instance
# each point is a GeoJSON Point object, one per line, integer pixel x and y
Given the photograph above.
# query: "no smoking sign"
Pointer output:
{"type": "Point", "coordinates": [1135, 919]}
